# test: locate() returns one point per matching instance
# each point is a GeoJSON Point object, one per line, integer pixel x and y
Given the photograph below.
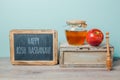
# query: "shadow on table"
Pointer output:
{"type": "Point", "coordinates": [116, 61]}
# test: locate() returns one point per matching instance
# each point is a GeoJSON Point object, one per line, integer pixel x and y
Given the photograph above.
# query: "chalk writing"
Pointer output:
{"type": "Point", "coordinates": [33, 46]}
{"type": "Point", "coordinates": [39, 50]}
{"type": "Point", "coordinates": [33, 41]}
{"type": "Point", "coordinates": [20, 50]}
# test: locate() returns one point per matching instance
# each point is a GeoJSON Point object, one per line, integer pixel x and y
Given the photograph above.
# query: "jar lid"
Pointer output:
{"type": "Point", "coordinates": [79, 23]}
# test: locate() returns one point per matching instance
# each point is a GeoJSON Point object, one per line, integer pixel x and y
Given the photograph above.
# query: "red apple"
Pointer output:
{"type": "Point", "coordinates": [94, 37]}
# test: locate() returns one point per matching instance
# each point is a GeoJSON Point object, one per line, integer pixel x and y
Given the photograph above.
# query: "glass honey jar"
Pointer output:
{"type": "Point", "coordinates": [76, 32]}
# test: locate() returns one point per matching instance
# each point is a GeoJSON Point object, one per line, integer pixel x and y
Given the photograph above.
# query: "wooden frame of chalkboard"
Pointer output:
{"type": "Point", "coordinates": [33, 47]}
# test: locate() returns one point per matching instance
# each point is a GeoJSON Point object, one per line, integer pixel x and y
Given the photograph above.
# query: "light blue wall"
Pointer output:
{"type": "Point", "coordinates": [52, 14]}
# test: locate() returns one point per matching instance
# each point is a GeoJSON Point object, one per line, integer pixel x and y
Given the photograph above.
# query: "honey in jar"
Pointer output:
{"type": "Point", "coordinates": [76, 33]}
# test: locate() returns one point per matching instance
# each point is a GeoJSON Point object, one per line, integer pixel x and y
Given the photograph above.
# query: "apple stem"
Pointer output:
{"type": "Point", "coordinates": [108, 60]}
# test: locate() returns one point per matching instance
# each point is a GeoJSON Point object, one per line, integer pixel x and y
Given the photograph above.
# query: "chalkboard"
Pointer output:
{"type": "Point", "coordinates": [33, 47]}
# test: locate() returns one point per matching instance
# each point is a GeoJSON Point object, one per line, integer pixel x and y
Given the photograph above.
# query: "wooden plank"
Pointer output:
{"type": "Point", "coordinates": [23, 72]}
{"type": "Point", "coordinates": [26, 51]}
{"type": "Point", "coordinates": [84, 56]}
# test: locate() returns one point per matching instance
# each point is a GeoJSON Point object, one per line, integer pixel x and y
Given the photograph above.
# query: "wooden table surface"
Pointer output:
{"type": "Point", "coordinates": [22, 72]}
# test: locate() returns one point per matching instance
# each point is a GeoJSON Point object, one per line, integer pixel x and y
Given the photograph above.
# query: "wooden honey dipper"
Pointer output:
{"type": "Point", "coordinates": [108, 59]}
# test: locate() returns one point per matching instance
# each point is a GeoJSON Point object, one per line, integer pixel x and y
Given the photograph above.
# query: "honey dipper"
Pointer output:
{"type": "Point", "coordinates": [108, 58]}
